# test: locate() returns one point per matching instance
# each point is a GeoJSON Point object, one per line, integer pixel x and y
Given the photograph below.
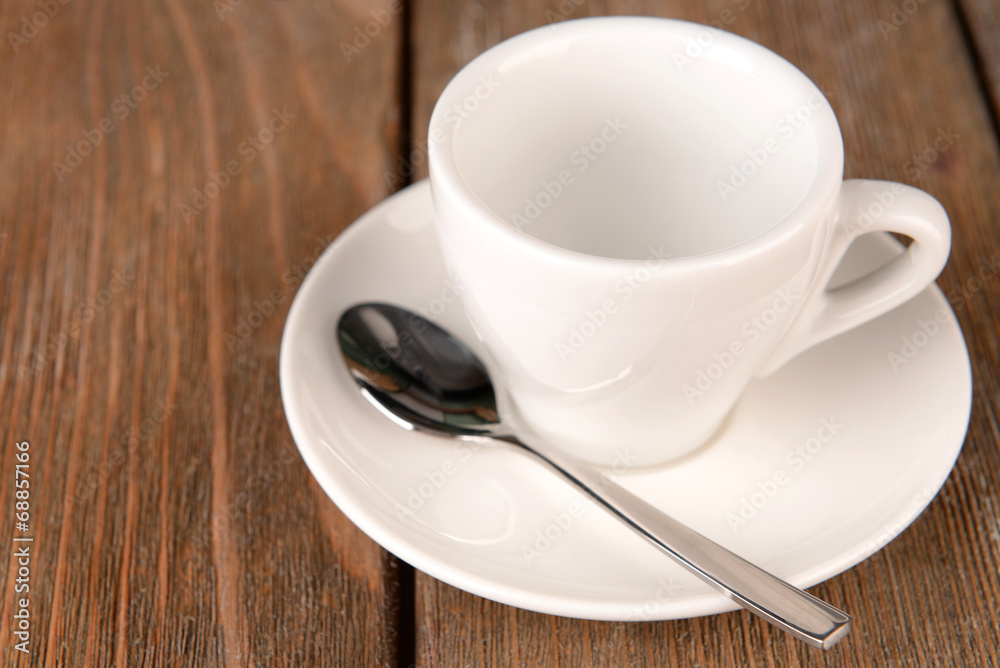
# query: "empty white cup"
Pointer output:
{"type": "Point", "coordinates": [638, 233]}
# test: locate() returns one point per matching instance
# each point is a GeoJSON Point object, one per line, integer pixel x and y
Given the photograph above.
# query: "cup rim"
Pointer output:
{"type": "Point", "coordinates": [446, 178]}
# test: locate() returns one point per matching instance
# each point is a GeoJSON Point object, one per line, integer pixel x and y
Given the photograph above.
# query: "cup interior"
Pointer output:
{"type": "Point", "coordinates": [625, 138]}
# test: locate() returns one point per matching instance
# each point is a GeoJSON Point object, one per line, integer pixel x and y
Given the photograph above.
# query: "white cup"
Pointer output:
{"type": "Point", "coordinates": [640, 227]}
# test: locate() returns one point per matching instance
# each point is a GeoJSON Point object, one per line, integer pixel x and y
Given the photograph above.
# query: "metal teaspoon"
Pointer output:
{"type": "Point", "coordinates": [423, 378]}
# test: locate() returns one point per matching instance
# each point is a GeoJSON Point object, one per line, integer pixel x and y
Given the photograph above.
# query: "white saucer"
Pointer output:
{"type": "Point", "coordinates": [497, 524]}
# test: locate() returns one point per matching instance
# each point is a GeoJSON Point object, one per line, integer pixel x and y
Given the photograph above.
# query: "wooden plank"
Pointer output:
{"type": "Point", "coordinates": [929, 597]}
{"type": "Point", "coordinates": [173, 520]}
{"type": "Point", "coordinates": [981, 19]}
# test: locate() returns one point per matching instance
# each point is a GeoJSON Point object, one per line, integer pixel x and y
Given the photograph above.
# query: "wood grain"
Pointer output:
{"type": "Point", "coordinates": [930, 597]}
{"type": "Point", "coordinates": [144, 292]}
{"type": "Point", "coordinates": [174, 522]}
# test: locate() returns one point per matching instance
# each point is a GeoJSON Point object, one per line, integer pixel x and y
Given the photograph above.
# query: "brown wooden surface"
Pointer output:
{"type": "Point", "coordinates": [174, 522]}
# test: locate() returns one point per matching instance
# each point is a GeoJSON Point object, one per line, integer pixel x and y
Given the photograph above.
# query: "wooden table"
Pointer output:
{"type": "Point", "coordinates": [171, 169]}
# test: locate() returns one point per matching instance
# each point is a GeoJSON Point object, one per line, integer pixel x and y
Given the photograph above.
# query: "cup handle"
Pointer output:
{"type": "Point", "coordinates": [870, 206]}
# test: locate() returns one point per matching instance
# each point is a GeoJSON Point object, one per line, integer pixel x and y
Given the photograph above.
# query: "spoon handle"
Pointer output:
{"type": "Point", "coordinates": [789, 608]}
